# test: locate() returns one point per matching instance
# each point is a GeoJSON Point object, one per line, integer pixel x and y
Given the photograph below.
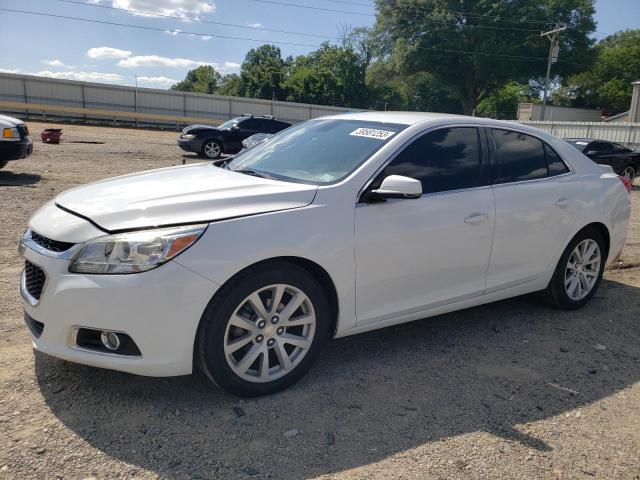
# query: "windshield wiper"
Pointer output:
{"type": "Point", "coordinates": [255, 173]}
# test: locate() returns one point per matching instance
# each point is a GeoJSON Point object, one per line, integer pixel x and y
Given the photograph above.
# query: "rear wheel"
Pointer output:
{"type": "Point", "coordinates": [579, 271]}
{"type": "Point", "coordinates": [264, 330]}
{"type": "Point", "coordinates": [212, 149]}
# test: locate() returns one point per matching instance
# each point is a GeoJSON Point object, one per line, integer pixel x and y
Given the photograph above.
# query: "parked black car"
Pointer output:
{"type": "Point", "coordinates": [624, 161]}
{"type": "Point", "coordinates": [15, 141]}
{"type": "Point", "coordinates": [211, 142]}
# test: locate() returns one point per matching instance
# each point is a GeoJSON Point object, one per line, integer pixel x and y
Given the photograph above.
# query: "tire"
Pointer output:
{"type": "Point", "coordinates": [560, 291]}
{"type": "Point", "coordinates": [211, 149]}
{"type": "Point", "coordinates": [629, 171]}
{"type": "Point", "coordinates": [230, 320]}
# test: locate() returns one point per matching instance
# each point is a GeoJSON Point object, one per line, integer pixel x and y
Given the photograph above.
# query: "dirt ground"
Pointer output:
{"type": "Point", "coordinates": [512, 390]}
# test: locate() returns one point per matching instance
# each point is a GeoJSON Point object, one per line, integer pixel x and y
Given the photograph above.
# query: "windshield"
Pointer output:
{"type": "Point", "coordinates": [317, 151]}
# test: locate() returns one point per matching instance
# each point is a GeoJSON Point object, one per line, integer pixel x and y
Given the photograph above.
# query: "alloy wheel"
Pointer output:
{"type": "Point", "coordinates": [212, 150]}
{"type": "Point", "coordinates": [583, 269]}
{"type": "Point", "coordinates": [629, 172]}
{"type": "Point", "coordinates": [269, 333]}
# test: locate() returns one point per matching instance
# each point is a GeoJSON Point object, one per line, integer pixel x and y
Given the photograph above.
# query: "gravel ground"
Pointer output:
{"type": "Point", "coordinates": [512, 390]}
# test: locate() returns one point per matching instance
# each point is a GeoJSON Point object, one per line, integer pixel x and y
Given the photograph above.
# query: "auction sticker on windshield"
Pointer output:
{"type": "Point", "coordinates": [372, 133]}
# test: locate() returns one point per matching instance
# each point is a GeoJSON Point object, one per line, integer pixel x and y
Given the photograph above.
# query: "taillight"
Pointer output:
{"type": "Point", "coordinates": [628, 183]}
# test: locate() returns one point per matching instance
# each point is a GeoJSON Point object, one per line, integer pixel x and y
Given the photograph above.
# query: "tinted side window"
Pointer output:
{"type": "Point", "coordinates": [518, 157]}
{"type": "Point", "coordinates": [249, 124]}
{"type": "Point", "coordinates": [554, 162]}
{"type": "Point", "coordinates": [600, 147]}
{"type": "Point", "coordinates": [446, 159]}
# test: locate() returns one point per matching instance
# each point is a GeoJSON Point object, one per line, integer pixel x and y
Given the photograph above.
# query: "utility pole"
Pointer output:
{"type": "Point", "coordinates": [554, 51]}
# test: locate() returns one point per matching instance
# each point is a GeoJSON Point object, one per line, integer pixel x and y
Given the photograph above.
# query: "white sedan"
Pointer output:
{"type": "Point", "coordinates": [332, 227]}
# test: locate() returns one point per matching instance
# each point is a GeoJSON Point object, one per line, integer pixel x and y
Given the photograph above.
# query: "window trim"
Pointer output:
{"type": "Point", "coordinates": [485, 159]}
{"type": "Point", "coordinates": [493, 159]}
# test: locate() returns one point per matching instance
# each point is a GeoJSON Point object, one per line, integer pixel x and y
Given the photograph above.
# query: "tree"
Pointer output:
{"type": "Point", "coordinates": [203, 79]}
{"type": "Point", "coordinates": [607, 84]}
{"type": "Point", "coordinates": [331, 75]}
{"type": "Point", "coordinates": [502, 103]}
{"type": "Point", "coordinates": [430, 36]}
{"type": "Point", "coordinates": [263, 72]}
{"type": "Point", "coordinates": [231, 85]}
{"type": "Point", "coordinates": [392, 90]}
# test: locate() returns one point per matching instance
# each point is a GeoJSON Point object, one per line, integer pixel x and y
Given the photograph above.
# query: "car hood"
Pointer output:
{"type": "Point", "coordinates": [197, 128]}
{"type": "Point", "coordinates": [7, 121]}
{"type": "Point", "coordinates": [181, 195]}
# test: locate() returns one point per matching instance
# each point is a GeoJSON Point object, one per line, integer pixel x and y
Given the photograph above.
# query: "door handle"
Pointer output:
{"type": "Point", "coordinates": [476, 218]}
{"type": "Point", "coordinates": [562, 202]}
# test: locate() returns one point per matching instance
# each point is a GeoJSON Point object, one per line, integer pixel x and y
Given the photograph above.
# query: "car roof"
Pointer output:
{"type": "Point", "coordinates": [404, 118]}
{"type": "Point", "coordinates": [588, 140]}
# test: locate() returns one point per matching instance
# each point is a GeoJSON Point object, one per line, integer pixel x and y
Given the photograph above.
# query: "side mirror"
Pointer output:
{"type": "Point", "coordinates": [591, 152]}
{"type": "Point", "coordinates": [397, 186]}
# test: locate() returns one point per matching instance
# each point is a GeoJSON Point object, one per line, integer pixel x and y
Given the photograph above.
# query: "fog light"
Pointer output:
{"type": "Point", "coordinates": [110, 340]}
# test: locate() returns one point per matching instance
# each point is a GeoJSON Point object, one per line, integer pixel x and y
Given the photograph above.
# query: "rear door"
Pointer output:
{"type": "Point", "coordinates": [537, 201]}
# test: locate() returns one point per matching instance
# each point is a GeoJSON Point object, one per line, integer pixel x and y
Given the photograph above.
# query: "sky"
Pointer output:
{"type": "Point", "coordinates": [163, 53]}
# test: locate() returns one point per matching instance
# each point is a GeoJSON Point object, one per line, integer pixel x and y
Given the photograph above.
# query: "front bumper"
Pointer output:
{"type": "Point", "coordinates": [10, 150]}
{"type": "Point", "coordinates": [189, 145]}
{"type": "Point", "coordinates": [159, 309]}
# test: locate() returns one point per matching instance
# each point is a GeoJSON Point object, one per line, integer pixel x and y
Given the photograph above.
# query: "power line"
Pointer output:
{"type": "Point", "coordinates": [322, 9]}
{"type": "Point", "coordinates": [161, 15]}
{"type": "Point", "coordinates": [156, 29]}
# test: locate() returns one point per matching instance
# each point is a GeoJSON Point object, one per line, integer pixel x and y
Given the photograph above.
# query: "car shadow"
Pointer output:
{"type": "Point", "coordinates": [10, 179]}
{"type": "Point", "coordinates": [370, 396]}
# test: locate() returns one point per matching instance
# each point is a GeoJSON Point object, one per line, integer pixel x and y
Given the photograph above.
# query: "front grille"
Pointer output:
{"type": "Point", "coordinates": [35, 326]}
{"type": "Point", "coordinates": [35, 278]}
{"type": "Point", "coordinates": [49, 244]}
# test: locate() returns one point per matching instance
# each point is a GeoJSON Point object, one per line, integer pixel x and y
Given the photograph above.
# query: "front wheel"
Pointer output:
{"type": "Point", "coordinates": [629, 172]}
{"type": "Point", "coordinates": [579, 271]}
{"type": "Point", "coordinates": [211, 149]}
{"type": "Point", "coordinates": [264, 330]}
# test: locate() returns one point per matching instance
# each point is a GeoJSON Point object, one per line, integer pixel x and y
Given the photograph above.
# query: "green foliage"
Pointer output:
{"type": "Point", "coordinates": [263, 72]}
{"type": "Point", "coordinates": [203, 79]}
{"type": "Point", "coordinates": [502, 103]}
{"type": "Point", "coordinates": [607, 84]}
{"type": "Point", "coordinates": [231, 85]}
{"type": "Point", "coordinates": [421, 36]}
{"type": "Point", "coordinates": [331, 75]}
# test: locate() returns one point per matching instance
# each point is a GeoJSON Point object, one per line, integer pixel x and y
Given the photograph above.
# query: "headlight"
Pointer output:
{"type": "Point", "coordinates": [10, 134]}
{"type": "Point", "coordinates": [188, 136]}
{"type": "Point", "coordinates": [134, 252]}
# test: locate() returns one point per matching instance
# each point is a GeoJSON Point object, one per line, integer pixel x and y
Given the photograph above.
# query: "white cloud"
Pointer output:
{"type": "Point", "coordinates": [180, 8]}
{"type": "Point", "coordinates": [173, 33]}
{"type": "Point", "coordinates": [254, 25]}
{"type": "Point", "coordinates": [206, 37]}
{"type": "Point", "coordinates": [158, 61]}
{"type": "Point", "coordinates": [54, 63]}
{"type": "Point", "coordinates": [232, 65]}
{"type": "Point", "coordinates": [160, 81]}
{"type": "Point", "coordinates": [107, 52]}
{"type": "Point", "coordinates": [10, 70]}
{"type": "Point", "coordinates": [83, 76]}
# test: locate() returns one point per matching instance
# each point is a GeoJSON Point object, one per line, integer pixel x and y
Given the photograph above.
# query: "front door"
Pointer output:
{"type": "Point", "coordinates": [415, 254]}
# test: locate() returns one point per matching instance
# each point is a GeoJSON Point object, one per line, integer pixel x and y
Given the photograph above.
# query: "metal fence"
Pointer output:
{"type": "Point", "coordinates": [624, 133]}
{"type": "Point", "coordinates": [47, 98]}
